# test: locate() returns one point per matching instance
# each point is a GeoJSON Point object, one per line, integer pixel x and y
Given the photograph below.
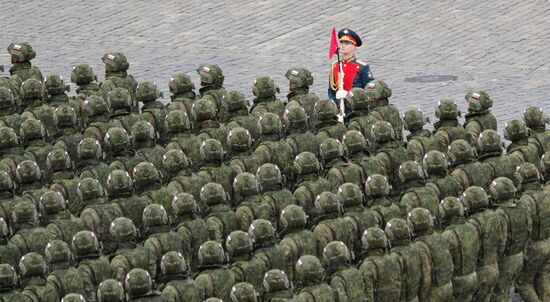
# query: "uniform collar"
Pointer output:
{"type": "Point", "coordinates": [352, 59]}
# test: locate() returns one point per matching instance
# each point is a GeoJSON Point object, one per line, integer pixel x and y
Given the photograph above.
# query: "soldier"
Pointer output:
{"type": "Point", "coordinates": [204, 112]}
{"type": "Point", "coordinates": [9, 116]}
{"type": "Point", "coordinates": [522, 148]}
{"type": "Point", "coordinates": [299, 80]}
{"type": "Point", "coordinates": [266, 249]}
{"type": "Point", "coordinates": [11, 151]}
{"type": "Point", "coordinates": [326, 121]}
{"type": "Point", "coordinates": [129, 253]}
{"type": "Point", "coordinates": [116, 75]}
{"type": "Point", "coordinates": [241, 157]}
{"type": "Point", "coordinates": [153, 110]}
{"type": "Point", "coordinates": [110, 290]}
{"type": "Point", "coordinates": [346, 281]}
{"type": "Point", "coordinates": [309, 182]}
{"type": "Point", "coordinates": [490, 152]}
{"type": "Point", "coordinates": [213, 168]}
{"type": "Point", "coordinates": [8, 284]}
{"type": "Point", "coordinates": [175, 283]}
{"type": "Point", "coordinates": [121, 108]}
{"type": "Point", "coordinates": [183, 178]}
{"type": "Point", "coordinates": [273, 189]}
{"type": "Point", "coordinates": [277, 287]}
{"type": "Point", "coordinates": [536, 122]}
{"type": "Point", "coordinates": [356, 149]}
{"type": "Point", "coordinates": [465, 168]}
{"type": "Point", "coordinates": [465, 244]}
{"type": "Point", "coordinates": [33, 273]}
{"type": "Point", "coordinates": [90, 262]}
{"type": "Point", "coordinates": [120, 188]}
{"type": "Point", "coordinates": [448, 129]}
{"type": "Point", "coordinates": [68, 136]}
{"type": "Point", "coordinates": [299, 137]}
{"type": "Point", "coordinates": [479, 116]}
{"type": "Point", "coordinates": [377, 190]}
{"type": "Point", "coordinates": [220, 218]}
{"type": "Point", "coordinates": [149, 186]}
{"type": "Point", "coordinates": [399, 234]}
{"type": "Point", "coordinates": [265, 90]}
{"type": "Point", "coordinates": [244, 292]}
{"type": "Point", "coordinates": [338, 169]}
{"type": "Point", "coordinates": [359, 119]}
{"type": "Point", "coordinates": [239, 116]}
{"type": "Point", "coordinates": [545, 168]}
{"type": "Point", "coordinates": [9, 252]}
{"type": "Point", "coordinates": [379, 269]}
{"type": "Point", "coordinates": [59, 223]}
{"type": "Point", "coordinates": [60, 174]}
{"type": "Point", "coordinates": [96, 114]}
{"type": "Point", "coordinates": [214, 277]}
{"type": "Point", "coordinates": [183, 95]}
{"type": "Point", "coordinates": [420, 141]}
{"type": "Point", "coordinates": [33, 139]}
{"type": "Point", "coordinates": [378, 94]}
{"type": "Point", "coordinates": [32, 99]}
{"type": "Point", "coordinates": [296, 240]}
{"type": "Point", "coordinates": [29, 181]}
{"type": "Point", "coordinates": [180, 137]}
{"type": "Point", "coordinates": [139, 286]}
{"type": "Point", "coordinates": [86, 81]}
{"type": "Point", "coordinates": [7, 196]}
{"type": "Point", "coordinates": [27, 235]}
{"type": "Point", "coordinates": [310, 276]}
{"type": "Point", "coordinates": [21, 54]}
{"type": "Point", "coordinates": [248, 202]}
{"type": "Point", "coordinates": [89, 161]}
{"type": "Point", "coordinates": [414, 192]}
{"type": "Point", "coordinates": [390, 152]}
{"type": "Point", "coordinates": [211, 78]}
{"type": "Point", "coordinates": [62, 273]}
{"type": "Point", "coordinates": [55, 89]}
{"type": "Point", "coordinates": [273, 148]}
{"type": "Point", "coordinates": [515, 221]}
{"type": "Point", "coordinates": [244, 267]}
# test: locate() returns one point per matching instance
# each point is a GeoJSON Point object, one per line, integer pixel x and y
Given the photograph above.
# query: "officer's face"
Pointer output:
{"type": "Point", "coordinates": [346, 47]}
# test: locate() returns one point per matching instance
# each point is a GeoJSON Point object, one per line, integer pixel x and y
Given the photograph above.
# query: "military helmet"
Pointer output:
{"type": "Point", "coordinates": [414, 119]}
{"type": "Point", "coordinates": [95, 105]}
{"type": "Point", "coordinates": [239, 139]}
{"type": "Point", "coordinates": [409, 171]}
{"type": "Point", "coordinates": [336, 253]}
{"type": "Point", "coordinates": [138, 282]}
{"type": "Point", "coordinates": [8, 276]}
{"type": "Point", "coordinates": [474, 198]}
{"type": "Point", "coordinates": [83, 74]}
{"type": "Point", "coordinates": [377, 186]}
{"type": "Point", "coordinates": [147, 92]}
{"type": "Point", "coordinates": [261, 231]}
{"type": "Point", "coordinates": [7, 99]}
{"type": "Point", "coordinates": [502, 189]}
{"type": "Point", "coordinates": [184, 204]}
{"type": "Point", "coordinates": [435, 162]}
{"type": "Point", "coordinates": [382, 131]}
{"type": "Point", "coordinates": [110, 290]}
{"type": "Point", "coordinates": [295, 117]}
{"type": "Point", "coordinates": [32, 264]}
{"type": "Point", "coordinates": [25, 212]}
{"type": "Point", "coordinates": [119, 181]}
{"type": "Point", "coordinates": [58, 160]}
{"type": "Point", "coordinates": [450, 207]}
{"type": "Point", "coordinates": [275, 280]}
{"type": "Point", "coordinates": [120, 98]}
{"type": "Point", "coordinates": [89, 148]}
{"type": "Point", "coordinates": [52, 202]}
{"type": "Point", "coordinates": [377, 90]}
{"type": "Point", "coordinates": [270, 123]}
{"type": "Point", "coordinates": [173, 263]}
{"type": "Point", "coordinates": [123, 229]}
{"type": "Point", "coordinates": [32, 89]}
{"type": "Point", "coordinates": [145, 174]}
{"type": "Point", "coordinates": [174, 160]}
{"type": "Point", "coordinates": [55, 85]}
{"type": "Point", "coordinates": [211, 253]}
{"type": "Point", "coordinates": [243, 292]}
{"type": "Point", "coordinates": [6, 182]}
{"type": "Point", "coordinates": [534, 117]}
{"type": "Point", "coordinates": [21, 52]}
{"type": "Point", "coordinates": [357, 99]}
{"type": "Point", "coordinates": [180, 83]}
{"type": "Point", "coordinates": [210, 74]}
{"type": "Point", "coordinates": [66, 116]}
{"type": "Point", "coordinates": [354, 142]}
{"type": "Point", "coordinates": [460, 151]}
{"type": "Point", "coordinates": [204, 109]}
{"type": "Point", "coordinates": [84, 244]}
{"type": "Point", "coordinates": [213, 193]}
{"type": "Point", "coordinates": [264, 86]}
{"type": "Point", "coordinates": [116, 139]}
{"type": "Point", "coordinates": [236, 101]}
{"type": "Point", "coordinates": [212, 150]}
{"type": "Point", "coordinates": [374, 238]}
{"type": "Point", "coordinates": [115, 61]}
{"type": "Point", "coordinates": [397, 229]}
{"type": "Point", "coordinates": [446, 109]}
{"type": "Point", "coordinates": [31, 129]}
{"type": "Point", "coordinates": [324, 110]}
{"type": "Point", "coordinates": [328, 203]}
{"type": "Point", "coordinates": [28, 172]}
{"type": "Point", "coordinates": [331, 148]}
{"type": "Point", "coordinates": [154, 215]}
{"type": "Point", "coordinates": [57, 251]}
{"type": "Point", "coordinates": [293, 217]}
{"type": "Point", "coordinates": [245, 184]}
{"type": "Point", "coordinates": [269, 175]}
{"type": "Point", "coordinates": [177, 121]}
{"type": "Point", "coordinates": [515, 129]}
{"type": "Point", "coordinates": [8, 138]}
{"type": "Point", "coordinates": [420, 219]}
{"type": "Point", "coordinates": [90, 189]}
{"type": "Point", "coordinates": [299, 76]}
{"type": "Point", "coordinates": [478, 100]}
{"type": "Point", "coordinates": [309, 268]}
{"type": "Point", "coordinates": [238, 243]}
{"type": "Point", "coordinates": [305, 163]}
{"type": "Point", "coordinates": [350, 194]}
{"type": "Point", "coordinates": [528, 172]}
{"type": "Point", "coordinates": [489, 141]}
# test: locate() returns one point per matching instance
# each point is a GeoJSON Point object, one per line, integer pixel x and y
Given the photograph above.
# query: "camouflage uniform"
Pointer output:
{"type": "Point", "coordinates": [89, 161]}
{"type": "Point", "coordinates": [33, 270]}
{"type": "Point", "coordinates": [522, 148]}
{"type": "Point", "coordinates": [377, 189]}
{"type": "Point", "coordinates": [239, 116]}
{"type": "Point", "coordinates": [213, 168]}
{"type": "Point", "coordinates": [183, 95]}
{"type": "Point", "coordinates": [264, 89]}
{"type": "Point", "coordinates": [244, 267]}
{"type": "Point", "coordinates": [436, 167]}
{"type": "Point", "coordinates": [420, 141]}
{"type": "Point", "coordinates": [479, 115]}
{"type": "Point", "coordinates": [214, 278]}
{"type": "Point", "coordinates": [534, 119]}
{"type": "Point", "coordinates": [116, 75]}
{"type": "Point", "coordinates": [204, 113]}
{"type": "Point", "coordinates": [21, 54]}
{"type": "Point", "coordinates": [9, 252]}
{"type": "Point", "coordinates": [32, 135]}
{"type": "Point", "coordinates": [277, 287]}
{"type": "Point", "coordinates": [181, 138]}
{"type": "Point", "coordinates": [59, 223]}
{"type": "Point", "coordinates": [266, 249]}
{"type": "Point", "coordinates": [120, 194]}
{"type": "Point", "coordinates": [110, 290]}
{"type": "Point", "coordinates": [248, 202]}
{"type": "Point", "coordinates": [32, 97]}
{"type": "Point", "coordinates": [359, 119]}
{"type": "Point", "coordinates": [241, 157]}
{"type": "Point", "coordinates": [10, 150]}
{"type": "Point", "coordinates": [466, 169]}
{"type": "Point", "coordinates": [149, 186]}
{"type": "Point", "coordinates": [8, 284]}
{"type": "Point", "coordinates": [345, 280]}
{"type": "Point", "coordinates": [300, 79]}
{"type": "Point", "coordinates": [62, 273]}
{"type": "Point", "coordinates": [298, 136]}
{"type": "Point", "coordinates": [244, 292]}
{"type": "Point", "coordinates": [98, 121]}
{"type": "Point", "coordinates": [220, 218]}
{"type": "Point", "coordinates": [357, 152]}
{"type": "Point", "coordinates": [29, 181]}
{"type": "Point", "coordinates": [309, 183]}
{"type": "Point", "coordinates": [60, 175]}
{"type": "Point", "coordinates": [414, 192]}
{"type": "Point", "coordinates": [175, 283]}
{"type": "Point", "coordinates": [9, 117]}
{"type": "Point", "coordinates": [211, 77]}
{"type": "Point", "coordinates": [85, 79]}
{"type": "Point", "coordinates": [153, 109]}
{"type": "Point", "coordinates": [448, 129]}
{"type": "Point", "coordinates": [326, 121]}
{"type": "Point", "coordinates": [273, 189]}
{"type": "Point", "coordinates": [139, 286]}
{"type": "Point", "coordinates": [28, 237]}
{"type": "Point", "coordinates": [380, 109]}
{"type": "Point", "coordinates": [310, 284]}
{"type": "Point", "coordinates": [121, 108]}
{"type": "Point", "coordinates": [490, 152]}
{"type": "Point", "coordinates": [55, 89]}
{"type": "Point", "coordinates": [338, 169]}
{"type": "Point", "coordinates": [296, 239]}
{"type": "Point", "coordinates": [185, 180]}
{"type": "Point", "coordinates": [68, 136]}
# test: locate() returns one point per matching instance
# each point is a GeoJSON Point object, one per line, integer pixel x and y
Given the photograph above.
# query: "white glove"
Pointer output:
{"type": "Point", "coordinates": [341, 94]}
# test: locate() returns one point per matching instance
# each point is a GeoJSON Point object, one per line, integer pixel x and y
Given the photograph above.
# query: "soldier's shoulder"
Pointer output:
{"type": "Point", "coordinates": [361, 62]}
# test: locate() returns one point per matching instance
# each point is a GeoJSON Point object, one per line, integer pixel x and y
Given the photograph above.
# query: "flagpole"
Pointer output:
{"type": "Point", "coordinates": [341, 86]}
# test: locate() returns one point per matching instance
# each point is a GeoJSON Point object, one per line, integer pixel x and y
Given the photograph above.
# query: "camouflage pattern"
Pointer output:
{"type": "Point", "coordinates": [479, 116]}
{"type": "Point", "coordinates": [212, 78]}
{"type": "Point", "coordinates": [264, 89]}
{"type": "Point", "coordinates": [214, 277]}
{"type": "Point", "coordinates": [241, 157]}
{"type": "Point", "coordinates": [310, 284]}
{"type": "Point", "coordinates": [35, 287]}
{"type": "Point", "coordinates": [414, 191]}
{"type": "Point", "coordinates": [296, 240]}
{"type": "Point", "coordinates": [326, 121]}
{"type": "Point", "coordinates": [338, 169]}
{"type": "Point", "coordinates": [116, 75]}
{"type": "Point", "coordinates": [436, 167]}
{"type": "Point", "coordinates": [300, 79]}
{"type": "Point", "coordinates": [345, 279]}
{"type": "Point", "coordinates": [299, 137]}
{"type": "Point", "coordinates": [377, 190]}
{"type": "Point", "coordinates": [219, 216]}
{"type": "Point", "coordinates": [466, 169]}
{"type": "Point", "coordinates": [266, 249]}
{"type": "Point", "coordinates": [244, 267]}
{"type": "Point", "coordinates": [522, 148]}
{"type": "Point", "coordinates": [21, 54]}
{"type": "Point", "coordinates": [329, 225]}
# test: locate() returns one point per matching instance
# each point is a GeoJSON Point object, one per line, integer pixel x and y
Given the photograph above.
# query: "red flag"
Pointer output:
{"type": "Point", "coordinates": [333, 44]}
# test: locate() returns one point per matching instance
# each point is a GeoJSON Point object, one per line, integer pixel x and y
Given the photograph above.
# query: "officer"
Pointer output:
{"type": "Point", "coordinates": [68, 136]}
{"type": "Point", "coordinates": [465, 168]}
{"type": "Point", "coordinates": [329, 225]}
{"type": "Point", "coordinates": [179, 136]}
{"type": "Point", "coordinates": [377, 190]}
{"type": "Point", "coordinates": [175, 283]}
{"type": "Point", "coordinates": [356, 148]}
{"type": "Point", "coordinates": [266, 101]}
{"type": "Point", "coordinates": [448, 129]}
{"type": "Point", "coordinates": [62, 273]}
{"type": "Point", "coordinates": [178, 165]}
{"type": "Point", "coordinates": [296, 239]}
{"type": "Point", "coordinates": [214, 277]}
{"type": "Point", "coordinates": [110, 290]}
{"type": "Point", "coordinates": [241, 157]}
{"type": "Point", "coordinates": [273, 189]}
{"type": "Point", "coordinates": [420, 141]}
{"type": "Point", "coordinates": [139, 286]}
{"type": "Point", "coordinates": [479, 116]}
{"type": "Point", "coordinates": [27, 235]}
{"type": "Point", "coordinates": [490, 152]}
{"type": "Point", "coordinates": [8, 284]}
{"type": "Point", "coordinates": [55, 89]}
{"type": "Point", "coordinates": [21, 54]}
{"type": "Point", "coordinates": [121, 108]}
{"type": "Point", "coordinates": [33, 272]}
{"type": "Point", "coordinates": [244, 267]}
{"type": "Point", "coordinates": [346, 280]}
{"type": "Point", "coordinates": [214, 169]}
{"type": "Point", "coordinates": [32, 100]}
{"type": "Point", "coordinates": [522, 148]}
{"type": "Point", "coordinates": [436, 166]}
{"type": "Point", "coordinates": [116, 75]}
{"type": "Point", "coordinates": [277, 287]}
{"type": "Point", "coordinates": [153, 110]}
{"type": "Point", "coordinates": [310, 276]}
{"type": "Point", "coordinates": [300, 138]}
{"type": "Point", "coordinates": [9, 252]}
{"type": "Point", "coordinates": [464, 241]}
{"type": "Point", "coordinates": [220, 218]}
{"type": "Point", "coordinates": [211, 78]}
{"type": "Point", "coordinates": [267, 251]}
{"type": "Point", "coordinates": [90, 262]}
{"type": "Point", "coordinates": [248, 202]}
{"type": "Point", "coordinates": [536, 122]}
{"type": "Point", "coordinates": [59, 223]}
{"type": "Point", "coordinates": [309, 182]}
{"type": "Point", "coordinates": [183, 95]}
{"type": "Point", "coordinates": [380, 109]}
{"type": "Point", "coordinates": [327, 125]}
{"type": "Point", "coordinates": [414, 192]}
{"type": "Point", "coordinates": [338, 169]}
{"type": "Point", "coordinates": [299, 80]}
{"type": "Point", "coordinates": [237, 107]}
